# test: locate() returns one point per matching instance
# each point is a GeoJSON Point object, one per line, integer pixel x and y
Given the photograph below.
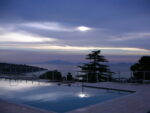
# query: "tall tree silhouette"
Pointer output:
{"type": "Point", "coordinates": [95, 70]}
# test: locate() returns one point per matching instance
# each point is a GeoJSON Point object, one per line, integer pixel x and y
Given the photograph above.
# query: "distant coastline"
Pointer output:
{"type": "Point", "coordinates": [10, 68]}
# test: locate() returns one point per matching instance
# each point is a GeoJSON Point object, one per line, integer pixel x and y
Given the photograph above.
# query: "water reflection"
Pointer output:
{"type": "Point", "coordinates": [83, 95]}
{"type": "Point", "coordinates": [51, 96]}
{"type": "Point", "coordinates": [21, 84]}
{"type": "Point", "coordinates": [33, 91]}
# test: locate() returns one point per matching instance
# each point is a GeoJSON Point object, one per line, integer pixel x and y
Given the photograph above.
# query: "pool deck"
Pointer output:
{"type": "Point", "coordinates": [138, 102]}
{"type": "Point", "coordinates": [8, 107]}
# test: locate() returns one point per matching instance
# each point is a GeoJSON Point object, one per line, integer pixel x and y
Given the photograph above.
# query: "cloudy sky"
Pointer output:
{"type": "Point", "coordinates": [42, 30]}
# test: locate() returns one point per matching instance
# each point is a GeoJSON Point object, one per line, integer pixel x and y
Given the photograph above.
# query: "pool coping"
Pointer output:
{"type": "Point", "coordinates": [114, 89]}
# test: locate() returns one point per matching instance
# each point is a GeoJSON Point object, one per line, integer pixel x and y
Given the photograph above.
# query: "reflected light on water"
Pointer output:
{"type": "Point", "coordinates": [83, 95]}
{"type": "Point", "coordinates": [18, 85]}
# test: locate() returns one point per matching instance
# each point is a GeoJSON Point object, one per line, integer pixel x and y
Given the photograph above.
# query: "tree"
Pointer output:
{"type": "Point", "coordinates": [141, 70]}
{"type": "Point", "coordinates": [52, 75]}
{"type": "Point", "coordinates": [95, 70]}
{"type": "Point", "coordinates": [69, 76]}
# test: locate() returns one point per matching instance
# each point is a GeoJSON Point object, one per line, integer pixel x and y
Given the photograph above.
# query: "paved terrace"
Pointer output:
{"type": "Point", "coordinates": [8, 107]}
{"type": "Point", "coordinates": [138, 102]}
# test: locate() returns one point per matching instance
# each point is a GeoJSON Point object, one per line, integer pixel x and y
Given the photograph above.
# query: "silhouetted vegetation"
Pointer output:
{"type": "Point", "coordinates": [141, 70]}
{"type": "Point", "coordinates": [52, 75]}
{"type": "Point", "coordinates": [95, 70]}
{"type": "Point", "coordinates": [69, 76]}
{"type": "Point", "coordinates": [7, 68]}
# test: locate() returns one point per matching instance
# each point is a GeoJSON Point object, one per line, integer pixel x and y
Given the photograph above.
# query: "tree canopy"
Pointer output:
{"type": "Point", "coordinates": [95, 70]}
{"type": "Point", "coordinates": [141, 70]}
{"type": "Point", "coordinates": [52, 75]}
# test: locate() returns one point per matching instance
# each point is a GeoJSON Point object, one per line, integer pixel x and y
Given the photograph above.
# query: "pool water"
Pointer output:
{"type": "Point", "coordinates": [53, 97]}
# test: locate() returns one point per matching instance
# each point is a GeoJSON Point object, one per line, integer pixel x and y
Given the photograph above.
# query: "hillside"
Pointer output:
{"type": "Point", "coordinates": [8, 68]}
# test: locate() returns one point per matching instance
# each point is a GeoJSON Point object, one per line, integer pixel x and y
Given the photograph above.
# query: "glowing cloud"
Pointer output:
{"type": "Point", "coordinates": [23, 37]}
{"type": "Point", "coordinates": [55, 26]}
{"type": "Point", "coordinates": [80, 49]}
{"type": "Point", "coordinates": [91, 48]}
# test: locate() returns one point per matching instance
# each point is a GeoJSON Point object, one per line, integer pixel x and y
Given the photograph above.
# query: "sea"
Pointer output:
{"type": "Point", "coordinates": [121, 70]}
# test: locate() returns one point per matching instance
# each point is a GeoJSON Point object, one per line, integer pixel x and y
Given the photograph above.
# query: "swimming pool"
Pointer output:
{"type": "Point", "coordinates": [53, 97]}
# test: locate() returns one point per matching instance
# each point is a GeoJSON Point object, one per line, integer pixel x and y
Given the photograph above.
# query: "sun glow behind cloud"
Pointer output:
{"type": "Point", "coordinates": [83, 28]}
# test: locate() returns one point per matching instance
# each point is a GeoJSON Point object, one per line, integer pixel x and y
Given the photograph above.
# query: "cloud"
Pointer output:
{"type": "Point", "coordinates": [72, 42]}
{"type": "Point", "coordinates": [53, 26]}
{"type": "Point", "coordinates": [56, 26]}
{"type": "Point", "coordinates": [132, 36]}
{"type": "Point", "coordinates": [81, 49]}
{"type": "Point", "coordinates": [107, 50]}
{"type": "Point", "coordinates": [24, 37]}
{"type": "Point", "coordinates": [91, 48]}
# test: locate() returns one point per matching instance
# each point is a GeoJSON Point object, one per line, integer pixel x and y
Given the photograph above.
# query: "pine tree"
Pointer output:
{"type": "Point", "coordinates": [95, 70]}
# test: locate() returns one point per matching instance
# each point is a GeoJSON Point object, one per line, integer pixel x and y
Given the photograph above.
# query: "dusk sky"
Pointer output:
{"type": "Point", "coordinates": [43, 30]}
